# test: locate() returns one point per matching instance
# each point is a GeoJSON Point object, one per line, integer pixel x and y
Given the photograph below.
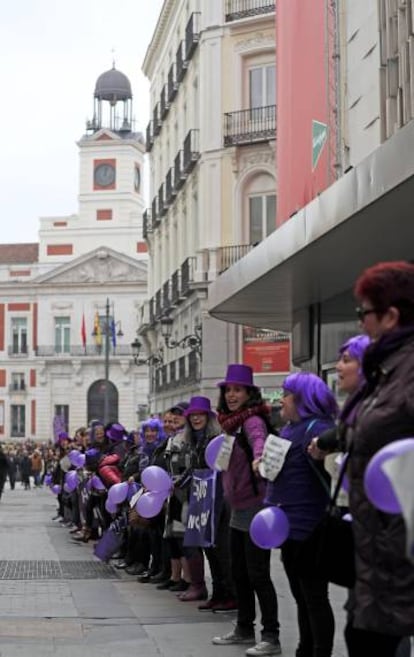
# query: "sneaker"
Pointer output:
{"type": "Point", "coordinates": [234, 637]}
{"type": "Point", "coordinates": [264, 648]}
{"type": "Point", "coordinates": [224, 606]}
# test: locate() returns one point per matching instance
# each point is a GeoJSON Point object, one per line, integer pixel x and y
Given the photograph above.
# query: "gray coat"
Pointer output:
{"type": "Point", "coordinates": [383, 598]}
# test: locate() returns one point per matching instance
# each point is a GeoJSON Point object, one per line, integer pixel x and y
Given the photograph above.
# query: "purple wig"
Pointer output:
{"type": "Point", "coordinates": [356, 347]}
{"type": "Point", "coordinates": [312, 396]}
{"type": "Point", "coordinates": [155, 424]}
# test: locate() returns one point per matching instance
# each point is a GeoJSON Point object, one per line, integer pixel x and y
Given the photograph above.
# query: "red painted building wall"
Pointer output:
{"type": "Point", "coordinates": [304, 48]}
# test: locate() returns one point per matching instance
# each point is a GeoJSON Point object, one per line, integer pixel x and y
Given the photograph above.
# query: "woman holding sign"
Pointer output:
{"type": "Point", "coordinates": [245, 418]}
{"type": "Point", "coordinates": [308, 408]}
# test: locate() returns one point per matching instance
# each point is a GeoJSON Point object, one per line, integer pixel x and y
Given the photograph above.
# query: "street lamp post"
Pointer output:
{"type": "Point", "coordinates": [108, 329]}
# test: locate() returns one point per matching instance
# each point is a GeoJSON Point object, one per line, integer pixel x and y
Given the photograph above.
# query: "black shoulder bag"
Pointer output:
{"type": "Point", "coordinates": [328, 553]}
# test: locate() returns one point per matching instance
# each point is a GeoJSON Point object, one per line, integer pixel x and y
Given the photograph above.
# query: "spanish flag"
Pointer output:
{"type": "Point", "coordinates": [97, 331]}
{"type": "Point", "coordinates": [83, 332]}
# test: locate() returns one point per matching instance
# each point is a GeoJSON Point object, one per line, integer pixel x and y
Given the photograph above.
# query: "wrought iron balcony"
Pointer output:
{"type": "Point", "coordinates": [78, 351]}
{"type": "Point", "coordinates": [191, 150]}
{"type": "Point", "coordinates": [186, 370]}
{"type": "Point", "coordinates": [158, 304]}
{"type": "Point", "coordinates": [170, 192]}
{"type": "Point", "coordinates": [156, 119]}
{"type": "Point", "coordinates": [17, 351]}
{"type": "Point", "coordinates": [187, 275]}
{"type": "Point", "coordinates": [181, 62]}
{"type": "Point", "coordinates": [166, 295]}
{"type": "Point", "coordinates": [192, 35]}
{"type": "Point", "coordinates": [162, 205]}
{"type": "Point", "coordinates": [155, 213]}
{"type": "Point", "coordinates": [164, 103]}
{"type": "Point", "coordinates": [179, 174]}
{"type": "Point", "coordinates": [149, 138]}
{"type": "Point", "coordinates": [146, 223]}
{"type": "Point", "coordinates": [175, 287]}
{"type": "Point", "coordinates": [152, 311]}
{"type": "Point", "coordinates": [172, 85]}
{"type": "Point", "coordinates": [18, 388]}
{"type": "Point", "coordinates": [236, 9]}
{"type": "Point", "coordinates": [250, 126]}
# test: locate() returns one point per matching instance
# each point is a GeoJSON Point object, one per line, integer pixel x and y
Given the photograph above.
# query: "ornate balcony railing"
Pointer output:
{"type": "Point", "coordinates": [179, 173]}
{"type": "Point", "coordinates": [19, 351]}
{"type": "Point", "coordinates": [164, 103]}
{"type": "Point", "coordinates": [158, 303]}
{"type": "Point", "coordinates": [228, 255]}
{"type": "Point", "coordinates": [18, 388]}
{"type": "Point", "coordinates": [146, 223]}
{"type": "Point", "coordinates": [155, 213]}
{"type": "Point", "coordinates": [250, 126]}
{"type": "Point", "coordinates": [192, 35]}
{"type": "Point", "coordinates": [78, 351]}
{"type": "Point", "coordinates": [152, 317]}
{"type": "Point", "coordinates": [236, 9]}
{"type": "Point", "coordinates": [187, 275]}
{"type": "Point", "coordinates": [191, 150]}
{"type": "Point", "coordinates": [162, 205]}
{"type": "Point", "coordinates": [149, 143]}
{"type": "Point", "coordinates": [170, 192]}
{"type": "Point", "coordinates": [172, 86]}
{"type": "Point", "coordinates": [181, 62]}
{"type": "Point", "coordinates": [166, 295]}
{"type": "Point", "coordinates": [156, 120]}
{"type": "Point", "coordinates": [175, 287]}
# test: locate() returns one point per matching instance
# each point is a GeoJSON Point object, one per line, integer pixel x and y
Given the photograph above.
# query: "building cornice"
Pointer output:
{"type": "Point", "coordinates": [158, 38]}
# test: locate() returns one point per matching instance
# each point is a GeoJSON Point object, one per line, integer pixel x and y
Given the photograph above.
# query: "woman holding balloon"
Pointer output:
{"type": "Point", "coordinates": [381, 606]}
{"type": "Point", "coordinates": [308, 408]}
{"type": "Point", "coordinates": [243, 415]}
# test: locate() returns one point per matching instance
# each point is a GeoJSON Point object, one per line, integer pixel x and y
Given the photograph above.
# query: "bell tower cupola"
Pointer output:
{"type": "Point", "coordinates": [112, 103]}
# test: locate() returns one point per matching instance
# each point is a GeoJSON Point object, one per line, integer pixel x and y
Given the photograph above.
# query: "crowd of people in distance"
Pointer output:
{"type": "Point", "coordinates": [172, 548]}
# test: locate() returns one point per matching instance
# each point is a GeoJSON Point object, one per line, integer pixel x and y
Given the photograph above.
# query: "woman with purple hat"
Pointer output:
{"type": "Point", "coordinates": [201, 427]}
{"type": "Point", "coordinates": [243, 414]}
{"type": "Point", "coordinates": [301, 489]}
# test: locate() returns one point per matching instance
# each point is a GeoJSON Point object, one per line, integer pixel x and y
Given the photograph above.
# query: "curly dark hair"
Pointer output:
{"type": "Point", "coordinates": [255, 399]}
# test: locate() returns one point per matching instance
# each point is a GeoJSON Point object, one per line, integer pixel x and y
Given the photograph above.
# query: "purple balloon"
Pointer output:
{"type": "Point", "coordinates": [212, 450]}
{"type": "Point", "coordinates": [269, 528]}
{"type": "Point", "coordinates": [71, 481]}
{"type": "Point", "coordinates": [156, 480]}
{"type": "Point", "coordinates": [97, 483]}
{"type": "Point", "coordinates": [132, 489]}
{"type": "Point", "coordinates": [111, 507]}
{"type": "Point", "coordinates": [56, 489]}
{"type": "Point", "coordinates": [76, 458]}
{"type": "Point", "coordinates": [378, 487]}
{"type": "Point", "coordinates": [118, 493]}
{"type": "Point", "coordinates": [150, 504]}
{"type": "Point", "coordinates": [48, 480]}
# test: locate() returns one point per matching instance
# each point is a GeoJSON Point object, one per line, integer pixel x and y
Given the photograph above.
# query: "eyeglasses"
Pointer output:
{"type": "Point", "coordinates": [363, 312]}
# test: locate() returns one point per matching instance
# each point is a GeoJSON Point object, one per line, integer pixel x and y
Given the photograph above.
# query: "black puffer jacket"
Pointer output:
{"type": "Point", "coordinates": [383, 598]}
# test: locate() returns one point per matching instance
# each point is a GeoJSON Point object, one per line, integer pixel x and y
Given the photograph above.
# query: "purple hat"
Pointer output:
{"type": "Point", "coordinates": [199, 405]}
{"type": "Point", "coordinates": [63, 435]}
{"type": "Point", "coordinates": [239, 375]}
{"type": "Point", "coordinates": [116, 432]}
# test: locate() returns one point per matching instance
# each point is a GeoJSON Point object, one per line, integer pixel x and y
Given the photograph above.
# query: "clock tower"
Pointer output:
{"type": "Point", "coordinates": [111, 153]}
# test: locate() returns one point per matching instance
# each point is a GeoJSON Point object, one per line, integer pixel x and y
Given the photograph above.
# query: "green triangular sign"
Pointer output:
{"type": "Point", "coordinates": [319, 137]}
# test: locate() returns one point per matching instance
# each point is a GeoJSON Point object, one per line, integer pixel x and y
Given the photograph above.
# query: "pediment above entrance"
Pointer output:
{"type": "Point", "coordinates": [103, 265]}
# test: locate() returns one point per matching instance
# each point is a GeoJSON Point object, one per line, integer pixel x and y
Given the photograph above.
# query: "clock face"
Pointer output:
{"type": "Point", "coordinates": [104, 175]}
{"type": "Point", "coordinates": [137, 178]}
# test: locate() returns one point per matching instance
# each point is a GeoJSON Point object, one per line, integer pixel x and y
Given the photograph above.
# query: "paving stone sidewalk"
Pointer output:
{"type": "Point", "coordinates": [58, 599]}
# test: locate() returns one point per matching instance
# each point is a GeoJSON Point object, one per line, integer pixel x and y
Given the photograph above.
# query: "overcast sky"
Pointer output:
{"type": "Point", "coordinates": [51, 53]}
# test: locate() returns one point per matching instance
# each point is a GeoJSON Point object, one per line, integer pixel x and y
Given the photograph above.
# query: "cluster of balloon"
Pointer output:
{"type": "Point", "coordinates": [269, 528]}
{"type": "Point", "coordinates": [158, 484]}
{"type": "Point", "coordinates": [71, 481]}
{"type": "Point", "coordinates": [96, 483]}
{"type": "Point", "coordinates": [76, 458]}
{"type": "Point", "coordinates": [116, 495]}
{"type": "Point", "coordinates": [48, 479]}
{"type": "Point", "coordinates": [212, 451]}
{"type": "Point", "coordinates": [378, 486]}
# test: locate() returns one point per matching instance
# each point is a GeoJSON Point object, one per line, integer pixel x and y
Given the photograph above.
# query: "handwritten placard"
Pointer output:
{"type": "Point", "coordinates": [223, 457]}
{"type": "Point", "coordinates": [273, 457]}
